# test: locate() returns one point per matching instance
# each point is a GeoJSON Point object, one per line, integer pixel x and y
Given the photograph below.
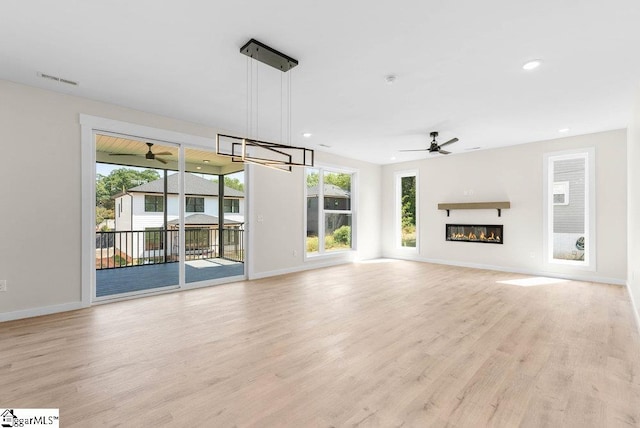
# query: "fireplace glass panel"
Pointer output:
{"type": "Point", "coordinates": [487, 233]}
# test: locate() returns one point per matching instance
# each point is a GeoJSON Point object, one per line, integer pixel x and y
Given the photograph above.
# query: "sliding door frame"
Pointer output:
{"type": "Point", "coordinates": [89, 126]}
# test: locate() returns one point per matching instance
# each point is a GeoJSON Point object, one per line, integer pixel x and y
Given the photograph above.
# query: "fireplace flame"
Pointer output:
{"type": "Point", "coordinates": [484, 236]}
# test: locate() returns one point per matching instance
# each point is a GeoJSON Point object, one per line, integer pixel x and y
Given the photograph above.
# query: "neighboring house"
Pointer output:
{"type": "Point", "coordinates": [568, 210]}
{"type": "Point", "coordinates": [335, 198]}
{"type": "Point", "coordinates": [141, 209]}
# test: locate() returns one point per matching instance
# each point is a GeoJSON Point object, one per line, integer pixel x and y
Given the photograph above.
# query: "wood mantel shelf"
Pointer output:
{"type": "Point", "coordinates": [476, 206]}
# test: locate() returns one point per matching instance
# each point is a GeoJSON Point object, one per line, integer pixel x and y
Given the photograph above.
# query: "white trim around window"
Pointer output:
{"type": "Point", "coordinates": [321, 211]}
{"type": "Point", "coordinates": [397, 236]}
{"type": "Point", "coordinates": [588, 186]}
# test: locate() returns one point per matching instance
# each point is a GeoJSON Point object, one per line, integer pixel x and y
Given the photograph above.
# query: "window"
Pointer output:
{"type": "Point", "coordinates": [194, 205]}
{"type": "Point", "coordinates": [570, 208]}
{"type": "Point", "coordinates": [231, 205]}
{"type": "Point", "coordinates": [331, 220]}
{"type": "Point", "coordinates": [561, 193]}
{"type": "Point", "coordinates": [153, 204]}
{"type": "Point", "coordinates": [406, 211]}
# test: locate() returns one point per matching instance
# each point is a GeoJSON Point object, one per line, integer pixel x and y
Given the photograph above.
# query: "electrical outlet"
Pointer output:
{"type": "Point", "coordinates": [3, 285]}
{"type": "Point", "coordinates": [295, 253]}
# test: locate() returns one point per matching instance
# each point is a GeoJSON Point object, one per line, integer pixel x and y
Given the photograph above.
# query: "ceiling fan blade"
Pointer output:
{"type": "Point", "coordinates": [125, 154]}
{"type": "Point", "coordinates": [161, 160]}
{"type": "Point", "coordinates": [444, 152]}
{"type": "Point", "coordinates": [163, 154]}
{"type": "Point", "coordinates": [453, 140]}
{"type": "Point", "coordinates": [415, 150]}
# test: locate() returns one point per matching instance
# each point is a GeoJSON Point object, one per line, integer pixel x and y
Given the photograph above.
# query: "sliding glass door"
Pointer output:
{"type": "Point", "coordinates": [213, 219]}
{"type": "Point", "coordinates": [161, 225]}
{"type": "Point", "coordinates": [136, 185]}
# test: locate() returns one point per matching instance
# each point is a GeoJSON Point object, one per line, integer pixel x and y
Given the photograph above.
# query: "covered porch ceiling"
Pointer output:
{"type": "Point", "coordinates": [129, 151]}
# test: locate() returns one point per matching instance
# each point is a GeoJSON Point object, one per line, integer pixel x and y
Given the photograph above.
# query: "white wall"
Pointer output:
{"type": "Point", "coordinates": [123, 212]}
{"type": "Point", "coordinates": [40, 244]}
{"type": "Point", "coordinates": [277, 217]}
{"type": "Point", "coordinates": [512, 174]}
{"type": "Point", "coordinates": [633, 196]}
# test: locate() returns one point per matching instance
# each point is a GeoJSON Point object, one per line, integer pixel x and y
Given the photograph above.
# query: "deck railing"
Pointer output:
{"type": "Point", "coordinates": [115, 249]}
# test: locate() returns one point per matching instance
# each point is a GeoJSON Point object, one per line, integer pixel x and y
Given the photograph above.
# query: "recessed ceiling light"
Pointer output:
{"type": "Point", "coordinates": [198, 167]}
{"type": "Point", "coordinates": [563, 130]}
{"type": "Point", "coordinates": [532, 65]}
{"type": "Point", "coordinates": [206, 161]}
{"type": "Point", "coordinates": [390, 79]}
{"type": "Point", "coordinates": [392, 158]}
{"type": "Point", "coordinates": [307, 134]}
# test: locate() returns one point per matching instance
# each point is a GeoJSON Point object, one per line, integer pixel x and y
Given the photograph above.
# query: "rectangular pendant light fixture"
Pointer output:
{"type": "Point", "coordinates": [279, 156]}
{"type": "Point", "coordinates": [250, 150]}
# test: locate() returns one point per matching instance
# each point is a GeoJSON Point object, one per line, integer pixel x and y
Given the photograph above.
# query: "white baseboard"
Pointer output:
{"type": "Point", "coordinates": [36, 312]}
{"type": "Point", "coordinates": [634, 307]}
{"type": "Point", "coordinates": [575, 277]}
{"type": "Point", "coordinates": [310, 266]}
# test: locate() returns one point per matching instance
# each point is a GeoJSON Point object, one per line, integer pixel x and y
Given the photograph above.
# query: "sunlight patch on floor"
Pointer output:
{"type": "Point", "coordinates": [208, 263]}
{"type": "Point", "coordinates": [532, 282]}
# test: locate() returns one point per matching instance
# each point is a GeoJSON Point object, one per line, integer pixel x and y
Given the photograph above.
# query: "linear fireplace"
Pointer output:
{"type": "Point", "coordinates": [486, 233]}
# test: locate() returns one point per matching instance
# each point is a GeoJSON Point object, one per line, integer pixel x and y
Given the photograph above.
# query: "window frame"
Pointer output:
{"type": "Point", "coordinates": [588, 154]}
{"type": "Point", "coordinates": [322, 169]}
{"type": "Point", "coordinates": [233, 205]}
{"type": "Point", "coordinates": [155, 203]}
{"type": "Point", "coordinates": [397, 237]}
{"type": "Point", "coordinates": [196, 205]}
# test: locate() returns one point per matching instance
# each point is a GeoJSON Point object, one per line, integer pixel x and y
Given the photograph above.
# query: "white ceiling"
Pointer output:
{"type": "Point", "coordinates": [458, 66]}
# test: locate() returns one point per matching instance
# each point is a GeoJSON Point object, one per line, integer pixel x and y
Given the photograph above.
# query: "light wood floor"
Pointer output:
{"type": "Point", "coordinates": [383, 344]}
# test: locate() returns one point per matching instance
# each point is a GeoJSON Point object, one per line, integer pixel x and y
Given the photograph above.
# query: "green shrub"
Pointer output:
{"type": "Point", "coordinates": [312, 244]}
{"type": "Point", "coordinates": [342, 235]}
{"type": "Point", "coordinates": [329, 242]}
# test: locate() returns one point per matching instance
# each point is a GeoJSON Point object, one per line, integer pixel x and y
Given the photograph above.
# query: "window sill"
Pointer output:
{"type": "Point", "coordinates": [318, 256]}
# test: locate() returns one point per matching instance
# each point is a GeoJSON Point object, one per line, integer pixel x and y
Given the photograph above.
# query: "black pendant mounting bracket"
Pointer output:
{"type": "Point", "coordinates": [266, 54]}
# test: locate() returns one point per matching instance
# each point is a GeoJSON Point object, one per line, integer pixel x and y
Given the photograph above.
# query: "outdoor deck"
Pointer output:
{"type": "Point", "coordinates": [146, 277]}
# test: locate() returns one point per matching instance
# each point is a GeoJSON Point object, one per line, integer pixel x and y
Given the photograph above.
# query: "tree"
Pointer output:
{"type": "Point", "coordinates": [408, 201]}
{"type": "Point", "coordinates": [234, 183]}
{"type": "Point", "coordinates": [341, 180]}
{"type": "Point", "coordinates": [102, 214]}
{"type": "Point", "coordinates": [118, 180]}
{"type": "Point", "coordinates": [312, 179]}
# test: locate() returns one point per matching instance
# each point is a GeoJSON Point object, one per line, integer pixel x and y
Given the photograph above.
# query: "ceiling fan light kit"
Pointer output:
{"type": "Point", "coordinates": [278, 156]}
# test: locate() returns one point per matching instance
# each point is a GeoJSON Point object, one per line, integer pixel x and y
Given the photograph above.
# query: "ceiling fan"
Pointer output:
{"type": "Point", "coordinates": [149, 155]}
{"type": "Point", "coordinates": [434, 147]}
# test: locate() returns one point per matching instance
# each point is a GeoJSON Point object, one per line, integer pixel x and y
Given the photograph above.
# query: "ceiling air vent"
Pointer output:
{"type": "Point", "coordinates": [57, 79]}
